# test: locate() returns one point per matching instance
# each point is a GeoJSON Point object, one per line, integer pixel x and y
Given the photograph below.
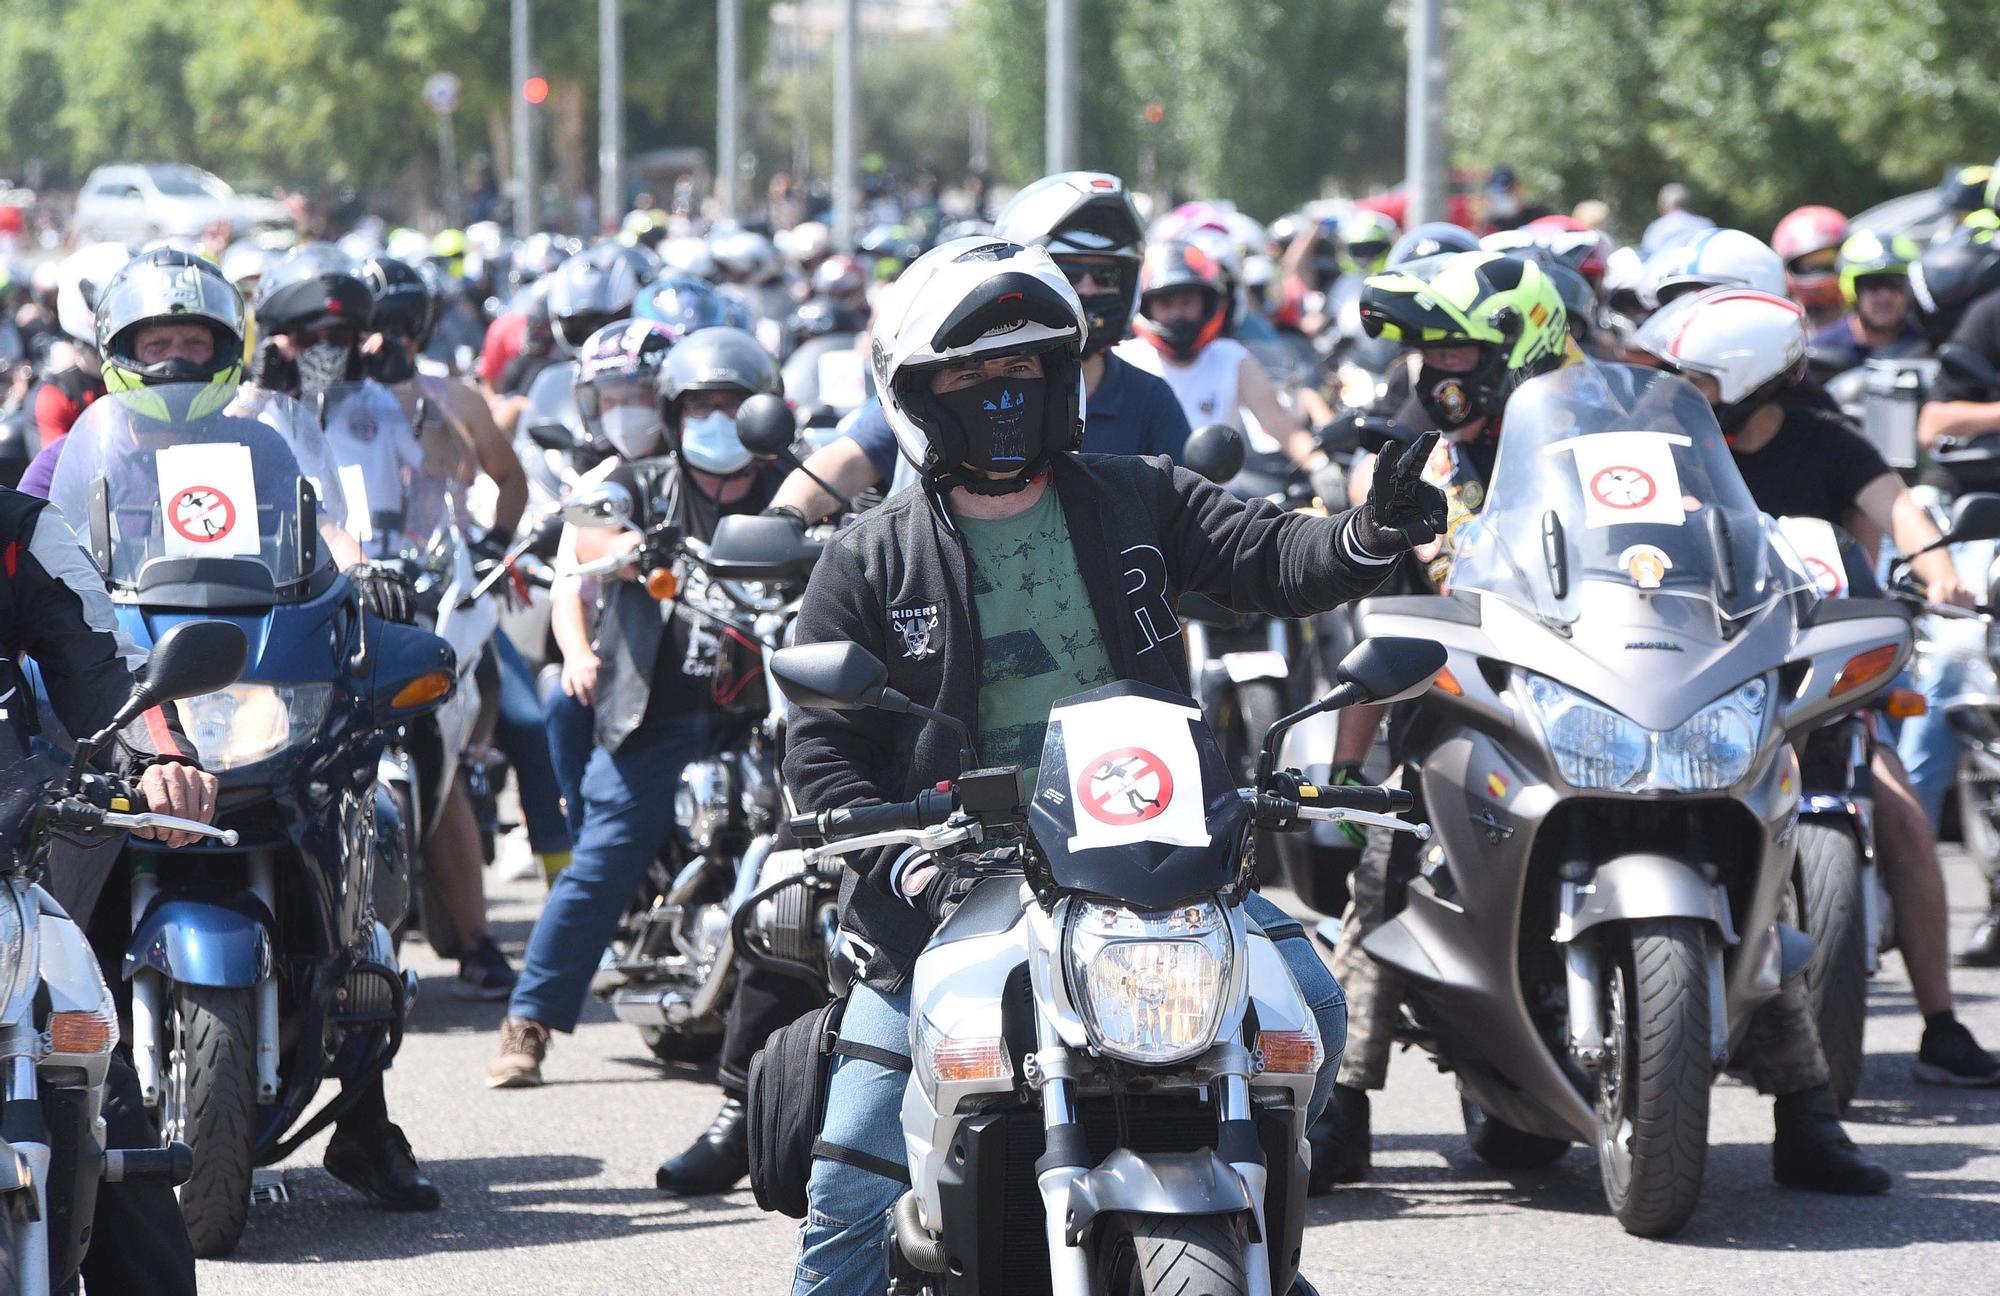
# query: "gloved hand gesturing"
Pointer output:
{"type": "Point", "coordinates": [384, 592]}
{"type": "Point", "coordinates": [1403, 510]}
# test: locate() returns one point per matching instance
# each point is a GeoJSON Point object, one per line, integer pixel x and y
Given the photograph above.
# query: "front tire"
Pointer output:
{"type": "Point", "coordinates": [209, 1102]}
{"type": "Point", "coordinates": [1171, 1255]}
{"type": "Point", "coordinates": [1653, 1088]}
{"type": "Point", "coordinates": [1835, 915]}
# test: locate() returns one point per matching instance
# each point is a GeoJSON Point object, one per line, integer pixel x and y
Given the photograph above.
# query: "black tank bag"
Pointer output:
{"type": "Point", "coordinates": [787, 1106]}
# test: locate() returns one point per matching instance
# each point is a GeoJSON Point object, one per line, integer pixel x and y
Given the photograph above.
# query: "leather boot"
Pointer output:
{"type": "Point", "coordinates": [1339, 1141]}
{"type": "Point", "coordinates": [716, 1162]}
{"type": "Point", "coordinates": [375, 1160]}
{"type": "Point", "coordinates": [1812, 1152]}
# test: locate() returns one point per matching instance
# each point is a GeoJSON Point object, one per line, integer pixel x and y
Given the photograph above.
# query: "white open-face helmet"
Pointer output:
{"type": "Point", "coordinates": [1713, 259]}
{"type": "Point", "coordinates": [971, 299]}
{"type": "Point", "coordinates": [1753, 344]}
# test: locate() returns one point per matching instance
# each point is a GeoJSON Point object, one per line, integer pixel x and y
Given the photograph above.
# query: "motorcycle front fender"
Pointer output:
{"type": "Point", "coordinates": [1157, 1183]}
{"type": "Point", "coordinates": [214, 941]}
{"type": "Point", "coordinates": [1644, 885]}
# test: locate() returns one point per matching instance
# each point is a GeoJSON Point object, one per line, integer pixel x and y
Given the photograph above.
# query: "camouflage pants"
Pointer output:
{"type": "Point", "coordinates": [1782, 1049]}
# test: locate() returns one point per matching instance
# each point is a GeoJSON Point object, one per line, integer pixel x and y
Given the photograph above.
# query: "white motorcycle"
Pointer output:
{"type": "Point", "coordinates": [1112, 1064]}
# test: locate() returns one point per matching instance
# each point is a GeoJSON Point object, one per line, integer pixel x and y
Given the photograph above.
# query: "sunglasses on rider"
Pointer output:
{"type": "Point", "coordinates": [1091, 276]}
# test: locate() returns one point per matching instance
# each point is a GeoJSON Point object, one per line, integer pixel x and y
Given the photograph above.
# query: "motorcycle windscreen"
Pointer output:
{"type": "Point", "coordinates": [405, 484]}
{"type": "Point", "coordinates": [1135, 801]}
{"type": "Point", "coordinates": [1612, 474]}
{"type": "Point", "coordinates": [192, 471]}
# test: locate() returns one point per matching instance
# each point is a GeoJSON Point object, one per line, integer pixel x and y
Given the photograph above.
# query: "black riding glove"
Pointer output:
{"type": "Point", "coordinates": [384, 592]}
{"type": "Point", "coordinates": [273, 370]}
{"type": "Point", "coordinates": [1403, 510]}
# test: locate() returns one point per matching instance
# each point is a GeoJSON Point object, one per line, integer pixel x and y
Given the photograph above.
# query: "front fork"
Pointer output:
{"type": "Point", "coordinates": [149, 989]}
{"type": "Point", "coordinates": [1070, 1265]}
{"type": "Point", "coordinates": [19, 1046]}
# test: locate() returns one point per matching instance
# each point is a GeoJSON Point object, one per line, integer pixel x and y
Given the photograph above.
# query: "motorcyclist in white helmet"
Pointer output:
{"type": "Point", "coordinates": [1713, 259]}
{"type": "Point", "coordinates": [75, 379]}
{"type": "Point", "coordinates": [1801, 457]}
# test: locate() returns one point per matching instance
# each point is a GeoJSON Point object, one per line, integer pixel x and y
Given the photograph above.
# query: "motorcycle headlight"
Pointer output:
{"type": "Point", "coordinates": [246, 723]}
{"type": "Point", "coordinates": [1713, 749]}
{"type": "Point", "coordinates": [1150, 985]}
{"type": "Point", "coordinates": [1594, 746]}
{"type": "Point", "coordinates": [17, 972]}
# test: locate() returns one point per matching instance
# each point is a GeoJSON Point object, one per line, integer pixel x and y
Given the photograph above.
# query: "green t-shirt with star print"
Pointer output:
{"type": "Point", "coordinates": [1038, 635]}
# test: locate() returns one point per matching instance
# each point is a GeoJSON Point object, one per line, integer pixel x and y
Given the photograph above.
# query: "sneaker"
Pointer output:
{"type": "Point", "coordinates": [518, 1065]}
{"type": "Point", "coordinates": [1950, 1056]}
{"type": "Point", "coordinates": [483, 973]}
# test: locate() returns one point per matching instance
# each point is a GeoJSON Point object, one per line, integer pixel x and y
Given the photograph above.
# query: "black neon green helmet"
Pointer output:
{"type": "Point", "coordinates": [1506, 305]}
{"type": "Point", "coordinates": [1866, 254]}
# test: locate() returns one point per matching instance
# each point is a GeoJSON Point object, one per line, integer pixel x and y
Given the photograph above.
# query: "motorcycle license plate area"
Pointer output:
{"type": "Point", "coordinates": [1135, 800]}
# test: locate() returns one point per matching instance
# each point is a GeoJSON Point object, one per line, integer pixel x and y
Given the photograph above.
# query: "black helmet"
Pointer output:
{"type": "Point", "coordinates": [1429, 239]}
{"type": "Point", "coordinates": [591, 290]}
{"type": "Point", "coordinates": [402, 295]}
{"type": "Point", "coordinates": [1963, 188]}
{"type": "Point", "coordinates": [312, 282]}
{"type": "Point", "coordinates": [1082, 216]}
{"type": "Point", "coordinates": [821, 317]}
{"type": "Point", "coordinates": [714, 359]}
{"type": "Point", "coordinates": [168, 286]}
{"type": "Point", "coordinates": [1176, 265]}
{"type": "Point", "coordinates": [1952, 275]}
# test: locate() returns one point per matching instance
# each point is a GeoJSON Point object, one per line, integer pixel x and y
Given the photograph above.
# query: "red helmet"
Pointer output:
{"type": "Point", "coordinates": [1808, 241]}
{"type": "Point", "coordinates": [1583, 249]}
{"type": "Point", "coordinates": [1172, 267]}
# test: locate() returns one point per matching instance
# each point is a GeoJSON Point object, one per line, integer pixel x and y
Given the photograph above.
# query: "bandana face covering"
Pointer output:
{"type": "Point", "coordinates": [321, 365]}
{"type": "Point", "coordinates": [1445, 398]}
{"type": "Point", "coordinates": [1000, 420]}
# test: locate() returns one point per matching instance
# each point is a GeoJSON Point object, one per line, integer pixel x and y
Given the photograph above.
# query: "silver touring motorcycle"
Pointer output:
{"type": "Point", "coordinates": [1633, 652]}
{"type": "Point", "coordinates": [1111, 1062]}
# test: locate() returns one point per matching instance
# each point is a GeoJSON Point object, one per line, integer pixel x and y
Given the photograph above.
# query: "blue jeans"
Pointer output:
{"type": "Point", "coordinates": [519, 734]}
{"type": "Point", "coordinates": [628, 812]}
{"type": "Point", "coordinates": [1927, 744]}
{"type": "Point", "coordinates": [841, 1241]}
{"type": "Point", "coordinates": [572, 735]}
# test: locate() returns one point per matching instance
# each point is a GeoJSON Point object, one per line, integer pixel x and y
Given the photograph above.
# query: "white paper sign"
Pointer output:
{"type": "Point", "coordinates": [1134, 774]}
{"type": "Point", "coordinates": [208, 501]}
{"type": "Point", "coordinates": [1817, 545]}
{"type": "Point", "coordinates": [1627, 477]}
{"type": "Point", "coordinates": [360, 522]}
{"type": "Point", "coordinates": [843, 382]}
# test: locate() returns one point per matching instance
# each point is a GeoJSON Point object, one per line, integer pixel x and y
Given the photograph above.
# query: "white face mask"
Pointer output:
{"type": "Point", "coordinates": [710, 443]}
{"type": "Point", "coordinates": [633, 431]}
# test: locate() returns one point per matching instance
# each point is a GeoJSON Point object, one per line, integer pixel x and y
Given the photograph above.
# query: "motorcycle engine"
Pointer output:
{"type": "Point", "coordinates": [706, 802]}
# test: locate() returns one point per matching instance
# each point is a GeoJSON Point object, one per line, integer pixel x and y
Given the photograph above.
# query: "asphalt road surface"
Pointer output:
{"type": "Point", "coordinates": [550, 1191]}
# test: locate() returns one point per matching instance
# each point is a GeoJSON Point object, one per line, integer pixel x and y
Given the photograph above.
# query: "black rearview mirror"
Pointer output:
{"type": "Point", "coordinates": [550, 435]}
{"type": "Point", "coordinates": [1391, 669]}
{"type": "Point", "coordinates": [1215, 451]}
{"type": "Point", "coordinates": [193, 658]}
{"type": "Point", "coordinates": [1974, 517]}
{"type": "Point", "coordinates": [766, 426]}
{"type": "Point", "coordinates": [838, 676]}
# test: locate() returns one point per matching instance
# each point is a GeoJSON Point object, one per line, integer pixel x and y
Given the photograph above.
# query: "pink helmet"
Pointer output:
{"type": "Point", "coordinates": [1808, 241]}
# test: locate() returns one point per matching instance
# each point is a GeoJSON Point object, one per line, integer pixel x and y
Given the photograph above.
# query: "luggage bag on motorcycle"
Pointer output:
{"type": "Point", "coordinates": [787, 1105]}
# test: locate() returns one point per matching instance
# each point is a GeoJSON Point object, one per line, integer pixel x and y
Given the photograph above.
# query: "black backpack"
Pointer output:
{"type": "Point", "coordinates": [787, 1105]}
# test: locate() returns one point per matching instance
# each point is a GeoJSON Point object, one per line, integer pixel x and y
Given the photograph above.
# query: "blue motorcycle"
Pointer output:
{"type": "Point", "coordinates": [259, 969]}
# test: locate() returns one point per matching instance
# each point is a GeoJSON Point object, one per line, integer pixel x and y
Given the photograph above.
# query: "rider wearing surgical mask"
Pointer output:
{"type": "Point", "coordinates": [662, 684]}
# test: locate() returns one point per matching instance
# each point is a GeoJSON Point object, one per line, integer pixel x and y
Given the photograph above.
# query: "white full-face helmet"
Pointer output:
{"type": "Point", "coordinates": [1751, 343]}
{"type": "Point", "coordinates": [1714, 258]}
{"type": "Point", "coordinates": [977, 298]}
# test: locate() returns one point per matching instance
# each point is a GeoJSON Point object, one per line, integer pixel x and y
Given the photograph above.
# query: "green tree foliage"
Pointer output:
{"type": "Point", "coordinates": [905, 110]}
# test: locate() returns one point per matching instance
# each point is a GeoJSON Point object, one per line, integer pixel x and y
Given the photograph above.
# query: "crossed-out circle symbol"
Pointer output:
{"type": "Point", "coordinates": [1824, 575]}
{"type": "Point", "coordinates": [201, 514]}
{"type": "Point", "coordinates": [1622, 487]}
{"type": "Point", "coordinates": [1125, 786]}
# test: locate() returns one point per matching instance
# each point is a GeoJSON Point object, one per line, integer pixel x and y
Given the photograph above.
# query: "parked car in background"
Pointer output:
{"type": "Point", "coordinates": [136, 202]}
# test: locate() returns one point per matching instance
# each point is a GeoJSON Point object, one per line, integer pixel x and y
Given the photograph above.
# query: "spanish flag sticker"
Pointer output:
{"type": "Point", "coordinates": [1496, 785]}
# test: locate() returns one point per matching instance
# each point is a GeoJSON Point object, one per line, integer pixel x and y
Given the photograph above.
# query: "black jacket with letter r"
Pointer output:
{"type": "Point", "coordinates": [895, 583]}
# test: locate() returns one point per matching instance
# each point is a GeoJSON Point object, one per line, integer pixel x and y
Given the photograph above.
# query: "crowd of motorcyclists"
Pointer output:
{"type": "Point", "coordinates": [987, 479]}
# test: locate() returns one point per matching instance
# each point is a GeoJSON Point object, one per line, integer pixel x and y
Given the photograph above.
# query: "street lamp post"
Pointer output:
{"type": "Point", "coordinates": [845, 177]}
{"type": "Point", "coordinates": [524, 125]}
{"type": "Point", "coordinates": [728, 14]}
{"type": "Point", "coordinates": [1423, 131]}
{"type": "Point", "coordinates": [610, 112]}
{"type": "Point", "coordinates": [1060, 140]}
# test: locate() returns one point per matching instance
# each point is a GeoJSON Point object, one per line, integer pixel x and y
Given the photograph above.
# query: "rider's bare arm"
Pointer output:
{"type": "Point", "coordinates": [844, 465]}
{"type": "Point", "coordinates": [1956, 419]}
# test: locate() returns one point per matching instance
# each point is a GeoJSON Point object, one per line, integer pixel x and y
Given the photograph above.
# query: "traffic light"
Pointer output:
{"type": "Point", "coordinates": [535, 89]}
